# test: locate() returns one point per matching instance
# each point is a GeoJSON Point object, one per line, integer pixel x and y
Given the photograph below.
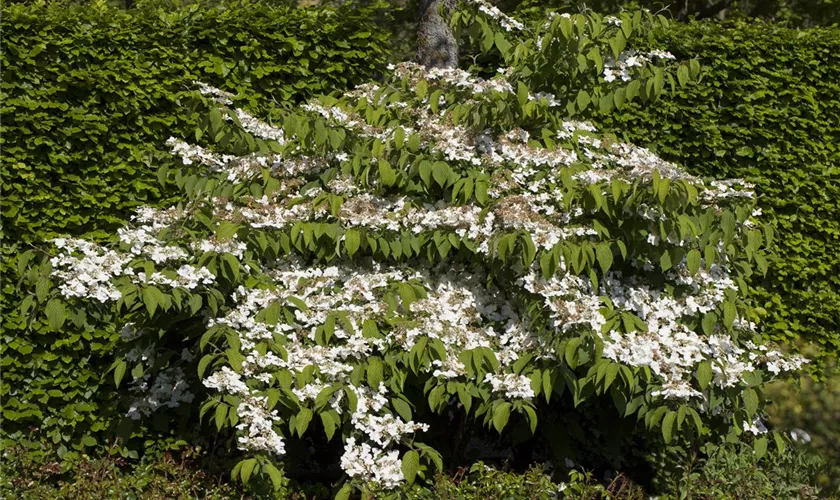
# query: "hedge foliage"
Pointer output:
{"type": "Point", "coordinates": [767, 109]}
{"type": "Point", "coordinates": [89, 95]}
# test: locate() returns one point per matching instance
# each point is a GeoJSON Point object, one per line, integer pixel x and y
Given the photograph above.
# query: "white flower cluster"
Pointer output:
{"type": "Point", "coordinates": [231, 246]}
{"type": "Point", "coordinates": [93, 274]}
{"type": "Point", "coordinates": [456, 310]}
{"type": "Point", "coordinates": [169, 390]}
{"type": "Point", "coordinates": [511, 385]}
{"type": "Point", "coordinates": [507, 22]}
{"type": "Point", "coordinates": [259, 128]}
{"type": "Point", "coordinates": [218, 95]}
{"type": "Point", "coordinates": [186, 276]}
{"type": "Point", "coordinates": [90, 275]}
{"type": "Point", "coordinates": [623, 67]}
{"type": "Point", "coordinates": [256, 421]}
{"type": "Point", "coordinates": [372, 464]}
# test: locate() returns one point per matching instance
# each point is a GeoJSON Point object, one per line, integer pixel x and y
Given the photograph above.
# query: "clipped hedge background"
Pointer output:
{"type": "Point", "coordinates": [768, 110]}
{"type": "Point", "coordinates": [89, 96]}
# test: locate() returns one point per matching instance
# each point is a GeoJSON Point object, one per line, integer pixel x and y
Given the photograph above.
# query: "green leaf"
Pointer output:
{"type": "Point", "coordinates": [275, 475]}
{"type": "Point", "coordinates": [352, 240]}
{"type": "Point", "coordinates": [422, 88]}
{"type": "Point", "coordinates": [704, 374]}
{"type": "Point", "coordinates": [374, 372]}
{"type": "Point", "coordinates": [247, 469]}
{"type": "Point", "coordinates": [402, 408]}
{"type": "Point", "coordinates": [119, 372]}
{"type": "Point", "coordinates": [531, 416]}
{"type": "Point", "coordinates": [729, 314]}
{"type": "Point", "coordinates": [302, 419]}
{"type": "Point", "coordinates": [502, 43]}
{"type": "Point", "coordinates": [387, 175]}
{"type": "Point", "coordinates": [750, 401]}
{"type": "Point", "coordinates": [570, 352]}
{"type": "Point", "coordinates": [329, 424]}
{"type": "Point", "coordinates": [605, 257]}
{"type": "Point", "coordinates": [226, 230]}
{"type": "Point", "coordinates": [221, 415]}
{"type": "Point", "coordinates": [344, 492]}
{"type": "Point", "coordinates": [682, 75]}
{"type": "Point", "coordinates": [441, 171]}
{"type": "Point", "coordinates": [399, 137]}
{"type": "Point", "coordinates": [42, 289]}
{"type": "Point", "coordinates": [152, 298]}
{"type": "Point", "coordinates": [693, 261]}
{"type": "Point", "coordinates": [55, 314]}
{"type": "Point", "coordinates": [522, 93]}
{"type": "Point", "coordinates": [709, 321]}
{"type": "Point", "coordinates": [203, 363]}
{"type": "Point", "coordinates": [501, 415]}
{"type": "Point", "coordinates": [694, 68]}
{"type": "Point", "coordinates": [760, 447]}
{"type": "Point", "coordinates": [410, 465]}
{"type": "Point", "coordinates": [665, 261]}
{"type": "Point", "coordinates": [668, 424]}
{"type": "Point", "coordinates": [582, 100]}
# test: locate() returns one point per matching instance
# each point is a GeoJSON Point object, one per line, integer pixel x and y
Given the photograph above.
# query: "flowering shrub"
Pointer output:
{"type": "Point", "coordinates": [435, 242]}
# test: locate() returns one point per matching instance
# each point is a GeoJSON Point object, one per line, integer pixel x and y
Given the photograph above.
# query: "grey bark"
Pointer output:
{"type": "Point", "coordinates": [436, 44]}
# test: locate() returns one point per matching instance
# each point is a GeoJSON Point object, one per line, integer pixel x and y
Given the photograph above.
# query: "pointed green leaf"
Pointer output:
{"type": "Point", "coordinates": [410, 465]}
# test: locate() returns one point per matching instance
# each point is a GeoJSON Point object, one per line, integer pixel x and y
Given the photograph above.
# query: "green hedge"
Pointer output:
{"type": "Point", "coordinates": [767, 109]}
{"type": "Point", "coordinates": [89, 96]}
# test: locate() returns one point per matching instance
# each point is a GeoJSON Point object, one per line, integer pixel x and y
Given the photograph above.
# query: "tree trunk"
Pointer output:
{"type": "Point", "coordinates": [436, 44]}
